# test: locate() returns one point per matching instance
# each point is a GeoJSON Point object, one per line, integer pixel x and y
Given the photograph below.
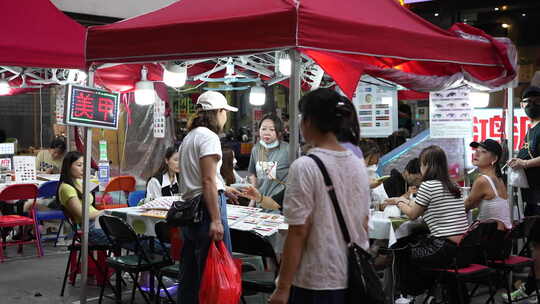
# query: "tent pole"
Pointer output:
{"type": "Point", "coordinates": [294, 97]}
{"type": "Point", "coordinates": [510, 141]}
{"type": "Point", "coordinates": [86, 192]}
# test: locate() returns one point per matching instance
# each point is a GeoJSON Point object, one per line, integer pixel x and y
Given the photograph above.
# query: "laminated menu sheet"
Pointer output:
{"type": "Point", "coordinates": [25, 168]}
{"type": "Point", "coordinates": [161, 203]}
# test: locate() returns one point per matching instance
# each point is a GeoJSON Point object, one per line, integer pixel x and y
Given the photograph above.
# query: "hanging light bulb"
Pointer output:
{"type": "Point", "coordinates": [144, 90]}
{"type": "Point", "coordinates": [284, 64]}
{"type": "Point", "coordinates": [174, 75]}
{"type": "Point", "coordinates": [257, 96]}
{"type": "Point", "coordinates": [4, 87]}
{"type": "Point", "coordinates": [479, 99]}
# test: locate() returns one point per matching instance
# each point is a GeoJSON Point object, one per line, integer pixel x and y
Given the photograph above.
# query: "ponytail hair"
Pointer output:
{"type": "Point", "coordinates": [330, 112]}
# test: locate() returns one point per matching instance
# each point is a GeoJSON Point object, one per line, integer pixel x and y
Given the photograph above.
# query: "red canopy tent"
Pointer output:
{"type": "Point", "coordinates": [36, 34]}
{"type": "Point", "coordinates": [347, 38]}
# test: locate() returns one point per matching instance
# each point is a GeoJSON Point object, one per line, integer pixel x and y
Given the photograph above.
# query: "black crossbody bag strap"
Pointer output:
{"type": "Point", "coordinates": [333, 197]}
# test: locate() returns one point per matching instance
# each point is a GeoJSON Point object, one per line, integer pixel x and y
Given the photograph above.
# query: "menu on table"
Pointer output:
{"type": "Point", "coordinates": [161, 203]}
{"type": "Point", "coordinates": [252, 219]}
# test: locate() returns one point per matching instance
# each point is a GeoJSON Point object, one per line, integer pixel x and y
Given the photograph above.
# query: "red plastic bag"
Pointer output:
{"type": "Point", "coordinates": [221, 280]}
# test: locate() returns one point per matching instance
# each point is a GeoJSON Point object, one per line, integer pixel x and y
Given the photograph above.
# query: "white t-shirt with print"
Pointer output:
{"type": "Point", "coordinates": [323, 265]}
{"type": "Point", "coordinates": [199, 142]}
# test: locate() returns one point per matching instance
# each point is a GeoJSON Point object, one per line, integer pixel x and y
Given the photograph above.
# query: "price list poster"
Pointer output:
{"type": "Point", "coordinates": [450, 114]}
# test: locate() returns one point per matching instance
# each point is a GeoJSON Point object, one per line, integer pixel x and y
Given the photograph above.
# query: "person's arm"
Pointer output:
{"type": "Point", "coordinates": [412, 210]}
{"type": "Point", "coordinates": [153, 189]}
{"type": "Point", "coordinates": [74, 207]}
{"type": "Point", "coordinates": [477, 194]}
{"type": "Point", "coordinates": [292, 253]}
{"type": "Point", "coordinates": [253, 194]}
{"type": "Point", "coordinates": [208, 166]}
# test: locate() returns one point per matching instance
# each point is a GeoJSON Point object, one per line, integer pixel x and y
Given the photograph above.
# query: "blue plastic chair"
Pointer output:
{"type": "Point", "coordinates": [135, 197]}
{"type": "Point", "coordinates": [48, 190]}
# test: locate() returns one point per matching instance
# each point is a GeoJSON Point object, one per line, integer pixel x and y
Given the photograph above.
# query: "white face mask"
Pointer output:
{"type": "Point", "coordinates": [269, 146]}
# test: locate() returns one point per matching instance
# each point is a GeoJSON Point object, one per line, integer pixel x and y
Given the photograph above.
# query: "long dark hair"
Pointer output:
{"type": "Point", "coordinates": [328, 111]}
{"type": "Point", "coordinates": [227, 167]}
{"type": "Point", "coordinates": [278, 124]}
{"type": "Point", "coordinates": [206, 119]}
{"type": "Point", "coordinates": [65, 173]}
{"type": "Point", "coordinates": [164, 168]}
{"type": "Point", "coordinates": [434, 158]}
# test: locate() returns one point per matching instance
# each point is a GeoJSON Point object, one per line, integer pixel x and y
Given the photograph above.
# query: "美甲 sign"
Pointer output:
{"type": "Point", "coordinates": [90, 107]}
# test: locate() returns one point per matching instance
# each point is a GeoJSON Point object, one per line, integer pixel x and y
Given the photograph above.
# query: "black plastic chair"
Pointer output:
{"type": "Point", "coordinates": [162, 230]}
{"type": "Point", "coordinates": [251, 243]}
{"type": "Point", "coordinates": [498, 254]}
{"type": "Point", "coordinates": [122, 236]}
{"type": "Point", "coordinates": [75, 249]}
{"type": "Point", "coordinates": [463, 269]}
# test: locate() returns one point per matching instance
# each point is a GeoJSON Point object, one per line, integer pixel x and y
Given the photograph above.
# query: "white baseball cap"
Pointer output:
{"type": "Point", "coordinates": [212, 100]}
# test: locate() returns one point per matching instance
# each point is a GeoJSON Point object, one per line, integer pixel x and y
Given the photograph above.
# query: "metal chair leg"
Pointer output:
{"type": "Point", "coordinates": [66, 273]}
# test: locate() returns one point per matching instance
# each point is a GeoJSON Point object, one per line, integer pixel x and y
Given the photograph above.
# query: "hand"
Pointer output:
{"type": "Point", "coordinates": [251, 193]}
{"type": "Point", "coordinates": [516, 163]}
{"type": "Point", "coordinates": [374, 183]}
{"type": "Point", "coordinates": [216, 230]}
{"type": "Point", "coordinates": [232, 194]}
{"type": "Point", "coordinates": [280, 296]}
{"type": "Point", "coordinates": [49, 171]}
{"type": "Point", "coordinates": [392, 201]}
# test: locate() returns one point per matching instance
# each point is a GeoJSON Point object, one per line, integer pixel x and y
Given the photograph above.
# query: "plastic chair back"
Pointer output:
{"type": "Point", "coordinates": [470, 245]}
{"type": "Point", "coordinates": [167, 234]}
{"type": "Point", "coordinates": [121, 183]}
{"type": "Point", "coordinates": [48, 189]}
{"type": "Point", "coordinates": [19, 192]}
{"type": "Point", "coordinates": [135, 197]}
{"type": "Point", "coordinates": [119, 233]}
{"type": "Point", "coordinates": [249, 242]}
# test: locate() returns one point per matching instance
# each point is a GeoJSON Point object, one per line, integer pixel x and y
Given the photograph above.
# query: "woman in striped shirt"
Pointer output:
{"type": "Point", "coordinates": [440, 203]}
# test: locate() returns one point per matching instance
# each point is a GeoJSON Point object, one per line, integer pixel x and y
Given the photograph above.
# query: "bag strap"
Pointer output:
{"type": "Point", "coordinates": [333, 197]}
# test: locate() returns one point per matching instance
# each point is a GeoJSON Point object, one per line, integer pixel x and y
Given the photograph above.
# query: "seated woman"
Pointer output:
{"type": "Point", "coordinates": [70, 196]}
{"type": "Point", "coordinates": [269, 161]}
{"type": "Point", "coordinates": [488, 192]}
{"type": "Point", "coordinates": [166, 180]}
{"type": "Point", "coordinates": [439, 201]}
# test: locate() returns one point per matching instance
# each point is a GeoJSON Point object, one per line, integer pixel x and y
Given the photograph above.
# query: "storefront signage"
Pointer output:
{"type": "Point", "coordinates": [90, 107]}
{"type": "Point", "coordinates": [489, 123]}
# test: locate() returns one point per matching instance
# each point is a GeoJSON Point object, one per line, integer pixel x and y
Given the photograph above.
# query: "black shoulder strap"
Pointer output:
{"type": "Point", "coordinates": [333, 197]}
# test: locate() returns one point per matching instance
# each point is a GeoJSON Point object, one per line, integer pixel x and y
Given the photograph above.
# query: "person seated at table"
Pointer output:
{"type": "Point", "coordinates": [488, 193]}
{"type": "Point", "coordinates": [306, 272]}
{"type": "Point", "coordinates": [166, 180]}
{"type": "Point", "coordinates": [70, 196]}
{"type": "Point", "coordinates": [440, 203]}
{"type": "Point", "coordinates": [50, 161]}
{"type": "Point", "coordinates": [404, 184]}
{"type": "Point", "coordinates": [269, 161]}
{"type": "Point", "coordinates": [372, 154]}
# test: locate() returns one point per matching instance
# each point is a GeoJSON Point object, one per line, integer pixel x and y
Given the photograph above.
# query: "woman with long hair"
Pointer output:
{"type": "Point", "coordinates": [165, 181]}
{"type": "Point", "coordinates": [488, 192]}
{"type": "Point", "coordinates": [439, 202]}
{"type": "Point", "coordinates": [269, 162]}
{"type": "Point", "coordinates": [314, 261]}
{"type": "Point", "coordinates": [200, 164]}
{"type": "Point", "coordinates": [70, 196]}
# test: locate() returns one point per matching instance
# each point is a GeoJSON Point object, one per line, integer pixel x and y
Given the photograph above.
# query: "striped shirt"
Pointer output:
{"type": "Point", "coordinates": [445, 215]}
